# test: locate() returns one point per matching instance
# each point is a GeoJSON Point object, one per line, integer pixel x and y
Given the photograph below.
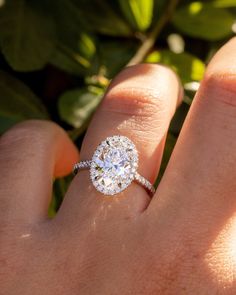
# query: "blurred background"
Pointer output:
{"type": "Point", "coordinates": [57, 57]}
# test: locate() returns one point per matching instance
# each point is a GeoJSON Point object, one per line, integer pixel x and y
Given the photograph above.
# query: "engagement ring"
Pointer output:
{"type": "Point", "coordinates": [114, 166]}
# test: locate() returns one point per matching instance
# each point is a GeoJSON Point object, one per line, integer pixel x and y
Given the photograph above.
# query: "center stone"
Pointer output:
{"type": "Point", "coordinates": [114, 165]}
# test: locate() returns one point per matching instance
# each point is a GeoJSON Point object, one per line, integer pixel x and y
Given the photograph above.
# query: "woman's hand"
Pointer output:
{"type": "Point", "coordinates": [182, 241]}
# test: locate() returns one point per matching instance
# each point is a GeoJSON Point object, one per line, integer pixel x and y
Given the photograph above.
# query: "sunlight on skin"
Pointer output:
{"type": "Point", "coordinates": [144, 109]}
{"type": "Point", "coordinates": [24, 236]}
{"type": "Point", "coordinates": [221, 258]}
{"type": "Point", "coordinates": [101, 215]}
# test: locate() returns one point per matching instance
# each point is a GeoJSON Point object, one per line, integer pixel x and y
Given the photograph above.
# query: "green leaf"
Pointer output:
{"type": "Point", "coordinates": [86, 45]}
{"type": "Point", "coordinates": [203, 20]}
{"type": "Point", "coordinates": [76, 106]}
{"type": "Point", "coordinates": [69, 60]}
{"type": "Point", "coordinates": [26, 36]}
{"type": "Point", "coordinates": [17, 103]}
{"type": "Point", "coordinates": [224, 3]}
{"type": "Point", "coordinates": [158, 9]}
{"type": "Point", "coordinates": [100, 16]}
{"type": "Point", "coordinates": [112, 56]}
{"type": "Point", "coordinates": [138, 13]}
{"type": "Point", "coordinates": [76, 46]}
{"type": "Point", "coordinates": [75, 58]}
{"type": "Point", "coordinates": [186, 65]}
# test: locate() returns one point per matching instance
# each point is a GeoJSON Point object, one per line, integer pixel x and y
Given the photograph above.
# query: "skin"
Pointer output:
{"type": "Point", "coordinates": [182, 241]}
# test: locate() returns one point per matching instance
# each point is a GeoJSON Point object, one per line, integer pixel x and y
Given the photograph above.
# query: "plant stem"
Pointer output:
{"type": "Point", "coordinates": [149, 42]}
{"type": "Point", "coordinates": [74, 56]}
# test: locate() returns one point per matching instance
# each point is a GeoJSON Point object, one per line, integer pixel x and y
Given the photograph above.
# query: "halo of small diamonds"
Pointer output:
{"type": "Point", "coordinates": [114, 165]}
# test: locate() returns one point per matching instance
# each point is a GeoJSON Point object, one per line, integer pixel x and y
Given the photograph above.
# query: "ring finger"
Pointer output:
{"type": "Point", "coordinates": [139, 104]}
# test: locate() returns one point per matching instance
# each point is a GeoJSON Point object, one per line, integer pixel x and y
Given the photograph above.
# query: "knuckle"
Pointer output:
{"type": "Point", "coordinates": [137, 101]}
{"type": "Point", "coordinates": [30, 133]}
{"type": "Point", "coordinates": [221, 85]}
{"type": "Point", "coordinates": [144, 111]}
{"type": "Point", "coordinates": [141, 90]}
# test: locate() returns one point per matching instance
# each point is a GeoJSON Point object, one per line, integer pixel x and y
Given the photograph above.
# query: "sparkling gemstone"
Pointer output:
{"type": "Point", "coordinates": [114, 165]}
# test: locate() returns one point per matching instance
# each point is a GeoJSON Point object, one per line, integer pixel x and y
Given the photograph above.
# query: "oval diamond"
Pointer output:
{"type": "Point", "coordinates": [114, 165]}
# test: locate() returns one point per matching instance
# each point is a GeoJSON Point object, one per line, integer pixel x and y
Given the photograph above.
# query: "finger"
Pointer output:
{"type": "Point", "coordinates": [199, 183]}
{"type": "Point", "coordinates": [138, 104]}
{"type": "Point", "coordinates": [31, 153]}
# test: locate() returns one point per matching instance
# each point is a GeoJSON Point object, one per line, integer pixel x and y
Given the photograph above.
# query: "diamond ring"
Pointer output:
{"type": "Point", "coordinates": [114, 166]}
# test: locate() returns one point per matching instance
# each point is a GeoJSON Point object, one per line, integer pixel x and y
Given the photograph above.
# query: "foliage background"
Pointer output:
{"type": "Point", "coordinates": [57, 57]}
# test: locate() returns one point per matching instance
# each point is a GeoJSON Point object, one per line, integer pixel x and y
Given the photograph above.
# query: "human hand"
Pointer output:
{"type": "Point", "coordinates": [182, 241]}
